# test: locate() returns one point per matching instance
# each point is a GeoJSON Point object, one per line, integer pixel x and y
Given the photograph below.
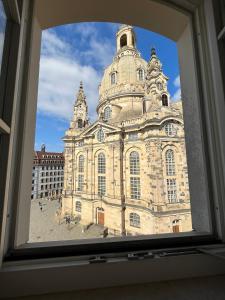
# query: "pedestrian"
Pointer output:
{"type": "Point", "coordinates": [41, 208]}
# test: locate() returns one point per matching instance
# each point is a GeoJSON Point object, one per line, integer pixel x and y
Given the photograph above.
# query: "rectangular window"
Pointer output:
{"type": "Point", "coordinates": [133, 136]}
{"type": "Point", "coordinates": [135, 188]}
{"type": "Point", "coordinates": [80, 182]}
{"type": "Point", "coordinates": [101, 185]}
{"type": "Point", "coordinates": [172, 190]}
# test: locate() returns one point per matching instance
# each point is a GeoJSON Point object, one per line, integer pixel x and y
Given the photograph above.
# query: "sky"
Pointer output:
{"type": "Point", "coordinates": [80, 52]}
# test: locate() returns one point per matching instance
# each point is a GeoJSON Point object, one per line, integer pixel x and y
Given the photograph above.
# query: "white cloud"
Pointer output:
{"type": "Point", "coordinates": [177, 95]}
{"type": "Point", "coordinates": [61, 71]}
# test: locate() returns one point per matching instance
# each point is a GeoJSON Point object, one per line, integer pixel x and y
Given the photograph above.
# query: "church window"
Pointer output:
{"type": "Point", "coordinates": [123, 40]}
{"type": "Point", "coordinates": [101, 163]}
{"type": "Point", "coordinates": [107, 113]}
{"type": "Point", "coordinates": [164, 100]}
{"type": "Point", "coordinates": [159, 85]}
{"type": "Point", "coordinates": [78, 206]}
{"type": "Point", "coordinates": [101, 185]}
{"type": "Point", "coordinates": [81, 164]}
{"type": "Point", "coordinates": [135, 189]}
{"type": "Point", "coordinates": [80, 182]}
{"type": "Point", "coordinates": [133, 136]}
{"type": "Point", "coordinates": [170, 163]}
{"type": "Point", "coordinates": [134, 163]}
{"type": "Point", "coordinates": [134, 220]}
{"type": "Point", "coordinates": [172, 190]}
{"type": "Point", "coordinates": [79, 123]}
{"type": "Point", "coordinates": [169, 129]}
{"type": "Point", "coordinates": [113, 78]}
{"type": "Point", "coordinates": [100, 135]}
{"type": "Point", "coordinates": [141, 74]}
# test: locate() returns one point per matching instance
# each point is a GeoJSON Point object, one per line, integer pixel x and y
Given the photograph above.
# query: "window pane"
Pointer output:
{"type": "Point", "coordinates": [2, 30]}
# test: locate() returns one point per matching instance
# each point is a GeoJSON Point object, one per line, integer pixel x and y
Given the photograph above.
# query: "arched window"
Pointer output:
{"type": "Point", "coordinates": [81, 164]}
{"type": "Point", "coordinates": [78, 206]}
{"type": "Point", "coordinates": [170, 163]}
{"type": "Point", "coordinates": [101, 178]}
{"type": "Point", "coordinates": [159, 86]}
{"type": "Point", "coordinates": [134, 220]}
{"type": "Point", "coordinates": [141, 74]}
{"type": "Point", "coordinates": [164, 100]}
{"type": "Point", "coordinates": [113, 78]}
{"type": "Point", "coordinates": [123, 40]}
{"type": "Point", "coordinates": [107, 113]}
{"type": "Point", "coordinates": [79, 123]}
{"type": "Point", "coordinates": [134, 163]}
{"type": "Point", "coordinates": [172, 190]}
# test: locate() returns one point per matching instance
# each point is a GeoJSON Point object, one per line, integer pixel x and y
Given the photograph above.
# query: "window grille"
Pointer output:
{"type": "Point", "coordinates": [134, 220]}
{"type": "Point", "coordinates": [107, 113]}
{"type": "Point", "coordinates": [78, 206]}
{"type": "Point", "coordinates": [134, 163]}
{"type": "Point", "coordinates": [170, 163]}
{"type": "Point", "coordinates": [100, 135]}
{"type": "Point", "coordinates": [172, 190]}
{"type": "Point", "coordinates": [135, 190]}
{"type": "Point", "coordinates": [169, 129]}
{"type": "Point", "coordinates": [101, 163]}
{"type": "Point", "coordinates": [81, 164]}
{"type": "Point", "coordinates": [101, 185]}
{"type": "Point", "coordinates": [80, 182]}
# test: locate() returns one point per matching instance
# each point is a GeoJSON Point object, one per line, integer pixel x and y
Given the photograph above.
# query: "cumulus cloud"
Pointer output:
{"type": "Point", "coordinates": [177, 95]}
{"type": "Point", "coordinates": [62, 68]}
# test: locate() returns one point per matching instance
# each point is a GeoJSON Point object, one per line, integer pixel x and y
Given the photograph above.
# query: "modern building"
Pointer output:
{"type": "Point", "coordinates": [47, 174]}
{"type": "Point", "coordinates": [128, 170]}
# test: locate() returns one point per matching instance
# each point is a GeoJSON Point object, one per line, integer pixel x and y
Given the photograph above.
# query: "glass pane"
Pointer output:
{"type": "Point", "coordinates": [131, 150]}
{"type": "Point", "coordinates": [2, 30]}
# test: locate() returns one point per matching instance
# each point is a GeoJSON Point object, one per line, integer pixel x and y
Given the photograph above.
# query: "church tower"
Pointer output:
{"type": "Point", "coordinates": [125, 37]}
{"type": "Point", "coordinates": [80, 114]}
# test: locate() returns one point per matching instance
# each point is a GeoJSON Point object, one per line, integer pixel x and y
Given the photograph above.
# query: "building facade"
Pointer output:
{"type": "Point", "coordinates": [128, 170]}
{"type": "Point", "coordinates": [47, 174]}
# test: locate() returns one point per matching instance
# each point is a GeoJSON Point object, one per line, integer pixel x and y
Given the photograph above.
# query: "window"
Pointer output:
{"type": "Point", "coordinates": [101, 185]}
{"type": "Point", "coordinates": [100, 135]}
{"type": "Point", "coordinates": [113, 78]}
{"type": "Point", "coordinates": [170, 163]}
{"type": "Point", "coordinates": [176, 226]}
{"type": "Point", "coordinates": [101, 163]}
{"type": "Point", "coordinates": [107, 113]}
{"type": "Point", "coordinates": [81, 164]}
{"type": "Point", "coordinates": [135, 189]}
{"type": "Point", "coordinates": [134, 220]}
{"type": "Point", "coordinates": [141, 75]}
{"type": "Point", "coordinates": [164, 100]}
{"type": "Point", "coordinates": [134, 163]}
{"type": "Point", "coordinates": [80, 182]}
{"type": "Point", "coordinates": [159, 86]}
{"type": "Point", "coordinates": [132, 136]}
{"type": "Point", "coordinates": [123, 41]}
{"type": "Point", "coordinates": [79, 123]}
{"type": "Point", "coordinates": [171, 190]}
{"type": "Point", "coordinates": [169, 129]}
{"type": "Point", "coordinates": [78, 206]}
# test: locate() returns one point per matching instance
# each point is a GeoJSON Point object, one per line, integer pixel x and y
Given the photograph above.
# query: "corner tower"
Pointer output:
{"type": "Point", "coordinates": [80, 114]}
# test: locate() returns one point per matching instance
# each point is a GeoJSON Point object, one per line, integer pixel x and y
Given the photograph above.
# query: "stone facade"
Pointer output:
{"type": "Point", "coordinates": [128, 170]}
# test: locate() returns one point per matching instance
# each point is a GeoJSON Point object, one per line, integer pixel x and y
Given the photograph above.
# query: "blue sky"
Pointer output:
{"type": "Point", "coordinates": [81, 51]}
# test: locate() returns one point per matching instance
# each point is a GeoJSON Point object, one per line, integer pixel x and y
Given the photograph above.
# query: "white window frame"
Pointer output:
{"type": "Point", "coordinates": [195, 34]}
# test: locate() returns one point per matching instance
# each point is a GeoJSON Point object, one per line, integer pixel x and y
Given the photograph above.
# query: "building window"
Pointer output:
{"type": "Point", "coordinates": [141, 75]}
{"type": "Point", "coordinates": [164, 100]}
{"type": "Point", "coordinates": [169, 129]}
{"type": "Point", "coordinates": [78, 206]}
{"type": "Point", "coordinates": [123, 41]}
{"type": "Point", "coordinates": [79, 123]}
{"type": "Point", "coordinates": [101, 163]}
{"type": "Point", "coordinates": [170, 163]}
{"type": "Point", "coordinates": [134, 163]}
{"type": "Point", "coordinates": [80, 182]}
{"type": "Point", "coordinates": [171, 190]}
{"type": "Point", "coordinates": [113, 78]}
{"type": "Point", "coordinates": [81, 164]}
{"type": "Point", "coordinates": [107, 113]}
{"type": "Point", "coordinates": [176, 226]}
{"type": "Point", "coordinates": [134, 220]}
{"type": "Point", "coordinates": [135, 189]}
{"type": "Point", "coordinates": [100, 135]}
{"type": "Point", "coordinates": [159, 86]}
{"type": "Point", "coordinates": [101, 185]}
{"type": "Point", "coordinates": [133, 136]}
